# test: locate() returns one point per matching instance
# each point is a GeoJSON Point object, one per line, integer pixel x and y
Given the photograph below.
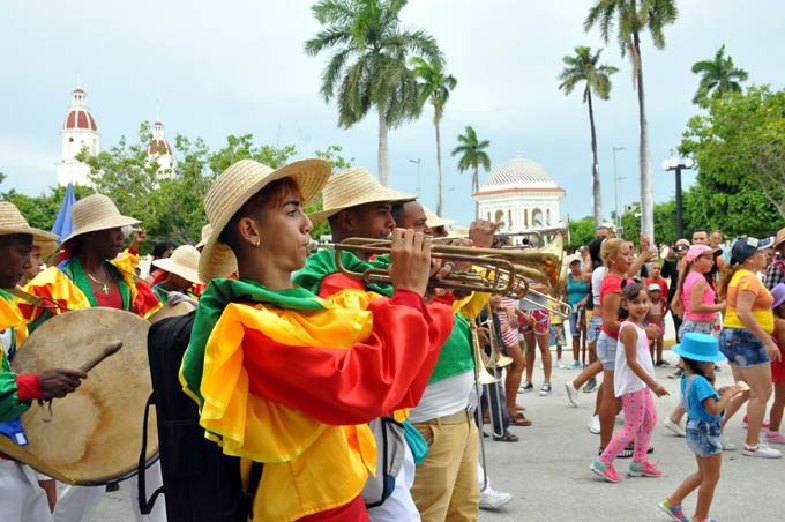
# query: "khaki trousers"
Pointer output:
{"type": "Point", "coordinates": [445, 484]}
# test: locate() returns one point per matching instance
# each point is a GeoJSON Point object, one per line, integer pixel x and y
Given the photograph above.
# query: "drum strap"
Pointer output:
{"type": "Point", "coordinates": [145, 505]}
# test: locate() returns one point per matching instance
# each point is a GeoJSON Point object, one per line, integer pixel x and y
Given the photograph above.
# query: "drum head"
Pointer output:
{"type": "Point", "coordinates": [169, 310]}
{"type": "Point", "coordinates": [95, 433]}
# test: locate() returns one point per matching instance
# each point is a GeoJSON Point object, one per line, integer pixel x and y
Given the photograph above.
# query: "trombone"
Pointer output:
{"type": "Point", "coordinates": [563, 309]}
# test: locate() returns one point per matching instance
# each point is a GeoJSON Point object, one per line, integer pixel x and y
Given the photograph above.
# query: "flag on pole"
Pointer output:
{"type": "Point", "coordinates": [64, 225]}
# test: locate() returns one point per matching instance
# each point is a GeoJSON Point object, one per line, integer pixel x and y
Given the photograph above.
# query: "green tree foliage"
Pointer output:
{"type": "Point", "coordinates": [435, 86]}
{"type": "Point", "coordinates": [368, 65]}
{"type": "Point", "coordinates": [471, 152]}
{"type": "Point", "coordinates": [582, 231]}
{"type": "Point", "coordinates": [739, 148]}
{"type": "Point", "coordinates": [583, 67]}
{"type": "Point", "coordinates": [41, 211]}
{"type": "Point", "coordinates": [719, 77]}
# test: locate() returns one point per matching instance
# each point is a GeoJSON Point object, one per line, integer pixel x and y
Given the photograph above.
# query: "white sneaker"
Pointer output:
{"type": "Point", "coordinates": [761, 450]}
{"type": "Point", "coordinates": [561, 365]}
{"type": "Point", "coordinates": [674, 428]}
{"type": "Point", "coordinates": [594, 424]}
{"type": "Point", "coordinates": [492, 499]}
{"type": "Point", "coordinates": [572, 393]}
{"type": "Point", "coordinates": [727, 445]}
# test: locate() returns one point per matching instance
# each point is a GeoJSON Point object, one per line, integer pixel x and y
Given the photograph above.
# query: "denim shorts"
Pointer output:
{"type": "Point", "coordinates": [575, 330]}
{"type": "Point", "coordinates": [742, 348]}
{"type": "Point", "coordinates": [593, 330]}
{"type": "Point", "coordinates": [690, 326]}
{"type": "Point", "coordinates": [703, 437]}
{"type": "Point", "coordinates": [606, 351]}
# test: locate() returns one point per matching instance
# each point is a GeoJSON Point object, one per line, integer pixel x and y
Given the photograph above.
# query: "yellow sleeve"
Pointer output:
{"type": "Point", "coordinates": [471, 306]}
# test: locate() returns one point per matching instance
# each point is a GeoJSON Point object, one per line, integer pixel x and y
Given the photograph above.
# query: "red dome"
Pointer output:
{"type": "Point", "coordinates": [80, 119]}
{"type": "Point", "coordinates": [159, 147]}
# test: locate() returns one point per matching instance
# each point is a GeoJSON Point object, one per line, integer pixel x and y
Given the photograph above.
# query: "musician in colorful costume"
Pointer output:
{"type": "Point", "coordinates": [180, 278]}
{"type": "Point", "coordinates": [288, 379]}
{"type": "Point", "coordinates": [93, 270]}
{"type": "Point", "coordinates": [21, 497]}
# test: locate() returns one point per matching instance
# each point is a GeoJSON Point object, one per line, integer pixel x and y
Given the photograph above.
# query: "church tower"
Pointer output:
{"type": "Point", "coordinates": [160, 150]}
{"type": "Point", "coordinates": [79, 131]}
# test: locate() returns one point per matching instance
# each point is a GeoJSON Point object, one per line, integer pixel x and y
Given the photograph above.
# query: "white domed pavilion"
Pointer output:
{"type": "Point", "coordinates": [521, 195]}
{"type": "Point", "coordinates": [79, 131]}
{"type": "Point", "coordinates": [159, 149]}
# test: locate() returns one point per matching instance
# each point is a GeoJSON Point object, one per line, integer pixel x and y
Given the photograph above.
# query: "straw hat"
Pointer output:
{"type": "Point", "coordinates": [780, 237]}
{"type": "Point", "coordinates": [184, 262]}
{"type": "Point", "coordinates": [206, 230]}
{"type": "Point", "coordinates": [13, 222]}
{"type": "Point", "coordinates": [433, 221]}
{"type": "Point", "coordinates": [96, 212]}
{"type": "Point", "coordinates": [352, 188]}
{"type": "Point", "coordinates": [233, 188]}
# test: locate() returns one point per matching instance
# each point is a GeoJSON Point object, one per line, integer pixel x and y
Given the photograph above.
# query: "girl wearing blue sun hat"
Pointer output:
{"type": "Point", "coordinates": [699, 353]}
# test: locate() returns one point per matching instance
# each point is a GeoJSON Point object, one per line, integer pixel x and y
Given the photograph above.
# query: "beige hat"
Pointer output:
{"type": "Point", "coordinates": [433, 221]}
{"type": "Point", "coordinates": [780, 237]}
{"type": "Point", "coordinates": [206, 230]}
{"type": "Point", "coordinates": [96, 212]}
{"type": "Point", "coordinates": [233, 188]}
{"type": "Point", "coordinates": [352, 188]}
{"type": "Point", "coordinates": [184, 262]}
{"type": "Point", "coordinates": [13, 222]}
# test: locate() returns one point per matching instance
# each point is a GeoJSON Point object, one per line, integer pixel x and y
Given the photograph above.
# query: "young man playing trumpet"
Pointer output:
{"type": "Point", "coordinates": [21, 497]}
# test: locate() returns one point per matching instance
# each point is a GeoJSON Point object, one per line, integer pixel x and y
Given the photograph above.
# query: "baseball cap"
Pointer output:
{"type": "Point", "coordinates": [745, 247]}
{"type": "Point", "coordinates": [654, 287]}
{"type": "Point", "coordinates": [778, 293]}
{"type": "Point", "coordinates": [696, 251]}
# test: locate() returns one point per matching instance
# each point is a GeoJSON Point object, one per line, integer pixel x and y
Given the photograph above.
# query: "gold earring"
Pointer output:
{"type": "Point", "coordinates": [257, 243]}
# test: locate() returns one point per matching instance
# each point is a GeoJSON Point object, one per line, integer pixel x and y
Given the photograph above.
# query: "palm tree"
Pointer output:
{"type": "Point", "coordinates": [630, 18]}
{"type": "Point", "coordinates": [435, 86]}
{"type": "Point", "coordinates": [583, 67]}
{"type": "Point", "coordinates": [473, 155]}
{"type": "Point", "coordinates": [367, 68]}
{"type": "Point", "coordinates": [719, 77]}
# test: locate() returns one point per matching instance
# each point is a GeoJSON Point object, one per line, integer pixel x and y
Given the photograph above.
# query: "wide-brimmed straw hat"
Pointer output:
{"type": "Point", "coordinates": [352, 188]}
{"type": "Point", "coordinates": [96, 212]}
{"type": "Point", "coordinates": [433, 220]}
{"type": "Point", "coordinates": [184, 262]}
{"type": "Point", "coordinates": [206, 229]}
{"type": "Point", "coordinates": [233, 188]}
{"type": "Point", "coordinates": [780, 237]}
{"type": "Point", "coordinates": [13, 222]}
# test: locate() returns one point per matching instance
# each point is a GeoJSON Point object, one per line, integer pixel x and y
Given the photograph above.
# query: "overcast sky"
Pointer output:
{"type": "Point", "coordinates": [238, 66]}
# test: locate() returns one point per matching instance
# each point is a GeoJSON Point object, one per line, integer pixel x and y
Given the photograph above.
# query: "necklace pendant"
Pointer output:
{"type": "Point", "coordinates": [105, 289]}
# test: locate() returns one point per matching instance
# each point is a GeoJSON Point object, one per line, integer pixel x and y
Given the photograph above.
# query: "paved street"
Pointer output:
{"type": "Point", "coordinates": [547, 471]}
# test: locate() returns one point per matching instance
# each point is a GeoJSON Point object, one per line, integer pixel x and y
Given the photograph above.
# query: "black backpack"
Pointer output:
{"type": "Point", "coordinates": [200, 483]}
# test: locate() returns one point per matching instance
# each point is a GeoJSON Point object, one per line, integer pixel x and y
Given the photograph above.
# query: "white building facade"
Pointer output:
{"type": "Point", "coordinates": [79, 131]}
{"type": "Point", "coordinates": [522, 196]}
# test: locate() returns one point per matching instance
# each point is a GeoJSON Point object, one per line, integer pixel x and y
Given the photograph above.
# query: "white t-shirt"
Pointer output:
{"type": "Point", "coordinates": [624, 380]}
{"type": "Point", "coordinates": [444, 397]}
{"type": "Point", "coordinates": [596, 283]}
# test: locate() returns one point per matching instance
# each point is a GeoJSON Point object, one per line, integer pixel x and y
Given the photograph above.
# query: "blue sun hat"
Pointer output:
{"type": "Point", "coordinates": [698, 347]}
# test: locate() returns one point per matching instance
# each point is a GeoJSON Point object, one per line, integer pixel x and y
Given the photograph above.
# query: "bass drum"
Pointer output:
{"type": "Point", "coordinates": [94, 434]}
{"type": "Point", "coordinates": [172, 310]}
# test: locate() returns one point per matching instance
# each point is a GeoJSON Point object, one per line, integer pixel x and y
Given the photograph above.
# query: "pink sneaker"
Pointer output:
{"type": "Point", "coordinates": [765, 424]}
{"type": "Point", "coordinates": [775, 437]}
{"type": "Point", "coordinates": [643, 469]}
{"type": "Point", "coordinates": [605, 471]}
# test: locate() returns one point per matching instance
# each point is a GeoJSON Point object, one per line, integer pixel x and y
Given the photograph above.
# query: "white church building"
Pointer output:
{"type": "Point", "coordinates": [80, 131]}
{"type": "Point", "coordinates": [522, 196]}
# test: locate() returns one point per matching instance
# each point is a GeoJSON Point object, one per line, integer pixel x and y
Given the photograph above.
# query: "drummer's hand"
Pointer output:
{"type": "Point", "coordinates": [138, 237]}
{"type": "Point", "coordinates": [179, 297]}
{"type": "Point", "coordinates": [59, 382]}
{"type": "Point", "coordinates": [411, 260]}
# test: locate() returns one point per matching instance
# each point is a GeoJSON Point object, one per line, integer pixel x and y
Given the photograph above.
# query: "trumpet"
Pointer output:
{"type": "Point", "coordinates": [563, 309]}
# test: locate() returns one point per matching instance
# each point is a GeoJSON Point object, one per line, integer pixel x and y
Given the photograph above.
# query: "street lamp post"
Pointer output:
{"type": "Point", "coordinates": [677, 165]}
{"type": "Point", "coordinates": [616, 179]}
{"type": "Point", "coordinates": [417, 161]}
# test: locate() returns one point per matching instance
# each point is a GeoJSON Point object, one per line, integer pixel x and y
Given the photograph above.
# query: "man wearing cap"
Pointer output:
{"type": "Point", "coordinates": [21, 498]}
{"type": "Point", "coordinates": [776, 271]}
{"type": "Point", "coordinates": [92, 272]}
{"type": "Point", "coordinates": [356, 205]}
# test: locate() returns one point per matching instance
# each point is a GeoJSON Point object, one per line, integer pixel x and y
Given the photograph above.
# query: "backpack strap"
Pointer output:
{"type": "Point", "coordinates": [145, 505]}
{"type": "Point", "coordinates": [254, 479]}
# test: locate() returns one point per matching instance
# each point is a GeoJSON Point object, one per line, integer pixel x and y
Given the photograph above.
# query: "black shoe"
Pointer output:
{"type": "Point", "coordinates": [627, 452]}
{"type": "Point", "coordinates": [590, 385]}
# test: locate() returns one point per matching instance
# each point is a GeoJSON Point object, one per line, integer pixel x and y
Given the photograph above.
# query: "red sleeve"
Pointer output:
{"type": "Point", "coordinates": [352, 386]}
{"type": "Point", "coordinates": [334, 283]}
{"type": "Point", "coordinates": [446, 299]}
{"type": "Point", "coordinates": [146, 300]}
{"type": "Point", "coordinates": [28, 388]}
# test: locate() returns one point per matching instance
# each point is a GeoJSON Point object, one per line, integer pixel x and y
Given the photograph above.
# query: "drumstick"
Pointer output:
{"type": "Point", "coordinates": [95, 361]}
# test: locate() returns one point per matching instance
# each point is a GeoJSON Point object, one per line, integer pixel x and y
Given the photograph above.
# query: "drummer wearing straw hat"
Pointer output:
{"type": "Point", "coordinates": [182, 278]}
{"type": "Point", "coordinates": [91, 272]}
{"type": "Point", "coordinates": [21, 498]}
{"type": "Point", "coordinates": [285, 378]}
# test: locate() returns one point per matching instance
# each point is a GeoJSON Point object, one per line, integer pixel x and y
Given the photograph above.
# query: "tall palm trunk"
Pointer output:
{"type": "Point", "coordinates": [595, 166]}
{"type": "Point", "coordinates": [647, 208]}
{"type": "Point", "coordinates": [383, 152]}
{"type": "Point", "coordinates": [475, 189]}
{"type": "Point", "coordinates": [440, 196]}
